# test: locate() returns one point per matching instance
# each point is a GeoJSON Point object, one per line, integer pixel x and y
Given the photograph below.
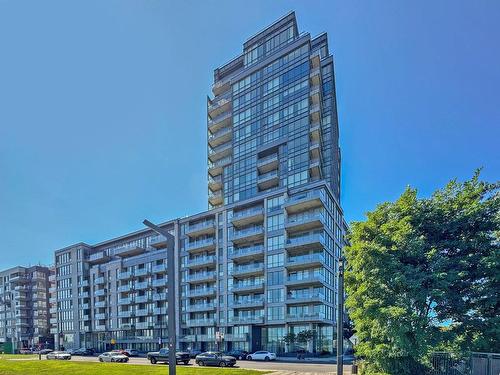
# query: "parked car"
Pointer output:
{"type": "Point", "coordinates": [131, 352]}
{"type": "Point", "coordinates": [84, 352]}
{"type": "Point", "coordinates": [215, 359]}
{"type": "Point", "coordinates": [262, 355]}
{"type": "Point", "coordinates": [238, 354]}
{"type": "Point", "coordinates": [45, 351]}
{"type": "Point", "coordinates": [25, 351]}
{"type": "Point", "coordinates": [112, 357]}
{"type": "Point", "coordinates": [58, 355]}
{"type": "Point", "coordinates": [162, 356]}
{"type": "Point", "coordinates": [194, 352]}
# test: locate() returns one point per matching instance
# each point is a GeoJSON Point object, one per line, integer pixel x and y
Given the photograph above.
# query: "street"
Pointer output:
{"type": "Point", "coordinates": [281, 368]}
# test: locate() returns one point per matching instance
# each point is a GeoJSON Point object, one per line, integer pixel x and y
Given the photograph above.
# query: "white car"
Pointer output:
{"type": "Point", "coordinates": [58, 355]}
{"type": "Point", "coordinates": [262, 355]}
{"type": "Point", "coordinates": [113, 357]}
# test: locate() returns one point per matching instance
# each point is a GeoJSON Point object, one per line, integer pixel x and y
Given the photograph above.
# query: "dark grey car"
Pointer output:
{"type": "Point", "coordinates": [215, 359]}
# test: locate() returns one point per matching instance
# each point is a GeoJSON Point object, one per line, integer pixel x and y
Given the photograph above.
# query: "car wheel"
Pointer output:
{"type": "Point", "coordinates": [266, 359]}
{"type": "Point", "coordinates": [201, 363]}
{"type": "Point", "coordinates": [222, 364]}
{"type": "Point", "coordinates": [249, 358]}
{"type": "Point", "coordinates": [100, 360]}
{"type": "Point", "coordinates": [186, 362]}
{"type": "Point", "coordinates": [112, 360]}
{"type": "Point", "coordinates": [153, 360]}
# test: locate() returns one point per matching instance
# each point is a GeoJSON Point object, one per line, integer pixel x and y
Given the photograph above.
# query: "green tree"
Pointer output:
{"type": "Point", "coordinates": [424, 274]}
{"type": "Point", "coordinates": [290, 338]}
{"type": "Point", "coordinates": [306, 336]}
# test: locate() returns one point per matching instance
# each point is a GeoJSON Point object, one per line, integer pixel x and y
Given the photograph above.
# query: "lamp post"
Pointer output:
{"type": "Point", "coordinates": [171, 293]}
{"type": "Point", "coordinates": [340, 319]}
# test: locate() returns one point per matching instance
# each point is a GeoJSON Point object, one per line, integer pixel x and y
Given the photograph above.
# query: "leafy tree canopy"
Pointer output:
{"type": "Point", "coordinates": [424, 274]}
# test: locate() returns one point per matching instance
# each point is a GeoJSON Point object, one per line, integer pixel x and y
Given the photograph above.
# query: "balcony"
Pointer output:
{"type": "Point", "coordinates": [220, 137]}
{"type": "Point", "coordinates": [305, 201]}
{"type": "Point", "coordinates": [53, 321]}
{"type": "Point", "coordinates": [315, 94]}
{"type": "Point", "coordinates": [141, 285]}
{"type": "Point", "coordinates": [159, 296]}
{"type": "Point", "coordinates": [100, 327]}
{"type": "Point", "coordinates": [219, 105]}
{"type": "Point", "coordinates": [215, 183]}
{"type": "Point", "coordinates": [304, 298]}
{"type": "Point", "coordinates": [252, 215]}
{"type": "Point", "coordinates": [245, 253]}
{"type": "Point", "coordinates": [243, 303]}
{"type": "Point", "coordinates": [219, 122]}
{"type": "Point", "coordinates": [315, 131]}
{"type": "Point", "coordinates": [124, 288]}
{"type": "Point", "coordinates": [83, 283]}
{"type": "Point", "coordinates": [142, 299]}
{"type": "Point", "coordinates": [315, 149]}
{"type": "Point", "coordinates": [100, 292]}
{"type": "Point", "coordinates": [201, 228]}
{"type": "Point", "coordinates": [251, 319]}
{"type": "Point", "coordinates": [125, 301]}
{"type": "Point", "coordinates": [315, 112]}
{"type": "Point", "coordinates": [216, 198]}
{"type": "Point", "coordinates": [219, 152]}
{"type": "Point", "coordinates": [141, 312]}
{"type": "Point", "coordinates": [315, 76]}
{"type": "Point", "coordinates": [100, 304]}
{"type": "Point", "coordinates": [19, 279]}
{"type": "Point", "coordinates": [221, 86]}
{"type": "Point", "coordinates": [315, 317]}
{"type": "Point", "coordinates": [54, 331]}
{"type": "Point", "coordinates": [248, 234]}
{"type": "Point", "coordinates": [305, 279]}
{"type": "Point", "coordinates": [125, 275]}
{"type": "Point", "coordinates": [200, 262]}
{"type": "Point", "coordinates": [300, 242]}
{"type": "Point", "coordinates": [160, 310]}
{"type": "Point", "coordinates": [268, 180]}
{"type": "Point", "coordinates": [100, 316]}
{"type": "Point", "coordinates": [248, 269]}
{"type": "Point", "coordinates": [201, 245]}
{"type": "Point", "coordinates": [315, 167]}
{"type": "Point", "coordinates": [143, 325]}
{"type": "Point", "coordinates": [247, 287]}
{"type": "Point", "coordinates": [98, 258]}
{"type": "Point", "coordinates": [125, 314]}
{"type": "Point", "coordinates": [200, 307]}
{"type": "Point", "coordinates": [315, 59]}
{"type": "Point", "coordinates": [159, 268]}
{"type": "Point", "coordinates": [83, 295]}
{"type": "Point", "coordinates": [303, 261]}
{"type": "Point", "coordinates": [216, 168]}
{"type": "Point", "coordinates": [268, 163]}
{"type": "Point", "coordinates": [141, 272]}
{"type": "Point", "coordinates": [129, 250]}
{"type": "Point", "coordinates": [83, 306]}
{"type": "Point", "coordinates": [158, 283]}
{"type": "Point", "coordinates": [158, 242]}
{"type": "Point", "coordinates": [84, 317]}
{"type": "Point", "coordinates": [99, 280]}
{"type": "Point", "coordinates": [200, 322]}
{"type": "Point", "coordinates": [303, 222]}
{"type": "Point", "coordinates": [200, 292]}
{"type": "Point", "coordinates": [200, 277]}
{"type": "Point", "coordinates": [235, 338]}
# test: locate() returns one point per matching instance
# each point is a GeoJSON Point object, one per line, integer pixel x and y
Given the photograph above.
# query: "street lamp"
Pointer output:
{"type": "Point", "coordinates": [171, 293]}
{"type": "Point", "coordinates": [340, 318]}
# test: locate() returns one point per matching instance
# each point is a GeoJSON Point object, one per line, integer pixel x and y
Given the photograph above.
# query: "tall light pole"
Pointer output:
{"type": "Point", "coordinates": [170, 295]}
{"type": "Point", "coordinates": [340, 319]}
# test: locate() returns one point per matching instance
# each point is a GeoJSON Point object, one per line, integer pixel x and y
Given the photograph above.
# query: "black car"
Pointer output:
{"type": "Point", "coordinates": [238, 354]}
{"type": "Point", "coordinates": [162, 356]}
{"type": "Point", "coordinates": [215, 359]}
{"type": "Point", "coordinates": [194, 352]}
{"type": "Point", "coordinates": [84, 352]}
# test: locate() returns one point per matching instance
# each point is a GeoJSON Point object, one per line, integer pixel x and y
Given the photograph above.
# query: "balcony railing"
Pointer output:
{"type": "Point", "coordinates": [247, 251]}
{"type": "Point", "coordinates": [200, 322]}
{"type": "Point", "coordinates": [305, 240]}
{"type": "Point", "coordinates": [247, 286]}
{"type": "Point", "coordinates": [159, 268]}
{"type": "Point", "coordinates": [248, 268]}
{"type": "Point", "coordinates": [305, 259]}
{"type": "Point", "coordinates": [248, 212]}
{"type": "Point", "coordinates": [195, 277]}
{"type": "Point", "coordinates": [200, 261]}
{"type": "Point", "coordinates": [200, 226]}
{"type": "Point", "coordinates": [305, 317]}
{"type": "Point", "coordinates": [304, 297]}
{"type": "Point", "coordinates": [249, 319]}
{"type": "Point", "coordinates": [200, 244]}
{"type": "Point", "coordinates": [159, 282]}
{"type": "Point", "coordinates": [247, 232]}
{"type": "Point", "coordinates": [200, 307]}
{"type": "Point", "coordinates": [200, 292]}
{"type": "Point", "coordinates": [247, 302]}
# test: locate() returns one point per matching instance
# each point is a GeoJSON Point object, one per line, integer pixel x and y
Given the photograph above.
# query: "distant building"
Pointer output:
{"type": "Point", "coordinates": [262, 261]}
{"type": "Point", "coordinates": [24, 307]}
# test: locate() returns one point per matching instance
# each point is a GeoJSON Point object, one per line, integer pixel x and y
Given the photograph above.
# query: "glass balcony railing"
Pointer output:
{"type": "Point", "coordinates": [304, 259]}
{"type": "Point", "coordinates": [248, 268]}
{"type": "Point", "coordinates": [248, 212]}
{"type": "Point", "coordinates": [245, 251]}
{"type": "Point", "coordinates": [200, 292]}
{"type": "Point", "coordinates": [258, 229]}
{"type": "Point", "coordinates": [200, 226]}
{"type": "Point", "coordinates": [207, 242]}
{"type": "Point", "coordinates": [200, 276]}
{"type": "Point", "coordinates": [304, 240]}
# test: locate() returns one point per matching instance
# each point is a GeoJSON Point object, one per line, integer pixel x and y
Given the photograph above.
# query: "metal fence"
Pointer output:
{"type": "Point", "coordinates": [444, 363]}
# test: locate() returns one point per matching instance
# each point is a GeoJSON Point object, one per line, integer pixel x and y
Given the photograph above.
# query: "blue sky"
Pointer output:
{"type": "Point", "coordinates": [102, 106]}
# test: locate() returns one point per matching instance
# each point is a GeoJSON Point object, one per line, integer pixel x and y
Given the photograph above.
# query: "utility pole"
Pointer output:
{"type": "Point", "coordinates": [340, 319]}
{"type": "Point", "coordinates": [170, 295]}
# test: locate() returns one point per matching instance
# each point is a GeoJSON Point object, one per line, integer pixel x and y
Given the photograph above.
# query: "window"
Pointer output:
{"type": "Point", "coordinates": [275, 278]}
{"type": "Point", "coordinates": [275, 295]}
{"type": "Point", "coordinates": [276, 260]}
{"type": "Point", "coordinates": [275, 222]}
{"type": "Point", "coordinates": [275, 313]}
{"type": "Point", "coordinates": [274, 203]}
{"type": "Point", "coordinates": [275, 242]}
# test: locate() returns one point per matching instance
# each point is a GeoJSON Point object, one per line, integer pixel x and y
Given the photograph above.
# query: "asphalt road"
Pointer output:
{"type": "Point", "coordinates": [287, 368]}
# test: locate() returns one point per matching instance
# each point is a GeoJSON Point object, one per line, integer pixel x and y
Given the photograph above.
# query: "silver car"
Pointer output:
{"type": "Point", "coordinates": [58, 355]}
{"type": "Point", "coordinates": [112, 357]}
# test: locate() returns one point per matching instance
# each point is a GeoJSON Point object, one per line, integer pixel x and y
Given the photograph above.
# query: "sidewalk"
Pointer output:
{"type": "Point", "coordinates": [347, 359]}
